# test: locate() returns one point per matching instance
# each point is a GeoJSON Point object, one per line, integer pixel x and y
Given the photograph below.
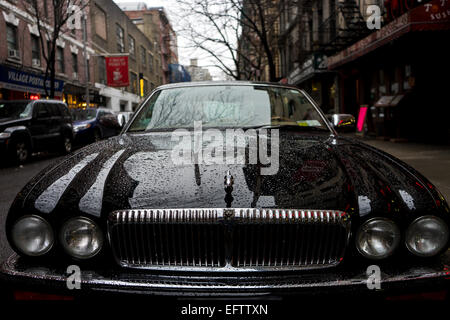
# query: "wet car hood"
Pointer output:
{"type": "Point", "coordinates": [315, 172]}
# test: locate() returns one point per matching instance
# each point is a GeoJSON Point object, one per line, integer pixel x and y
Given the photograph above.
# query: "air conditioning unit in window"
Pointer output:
{"type": "Point", "coordinates": [14, 54]}
{"type": "Point", "coordinates": [36, 62]}
{"type": "Point", "coordinates": [75, 75]}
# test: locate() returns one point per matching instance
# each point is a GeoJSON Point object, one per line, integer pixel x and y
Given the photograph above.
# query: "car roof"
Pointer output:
{"type": "Point", "coordinates": [224, 83]}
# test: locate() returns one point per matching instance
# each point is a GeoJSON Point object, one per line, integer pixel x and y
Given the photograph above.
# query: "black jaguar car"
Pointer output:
{"type": "Point", "coordinates": [224, 189]}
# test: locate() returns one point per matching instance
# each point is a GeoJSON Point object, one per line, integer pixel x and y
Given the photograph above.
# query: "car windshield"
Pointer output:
{"type": "Point", "coordinates": [83, 114]}
{"type": "Point", "coordinates": [228, 106]}
{"type": "Point", "coordinates": [15, 110]}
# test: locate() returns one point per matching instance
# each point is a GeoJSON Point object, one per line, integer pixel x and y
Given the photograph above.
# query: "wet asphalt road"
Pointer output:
{"type": "Point", "coordinates": [432, 161]}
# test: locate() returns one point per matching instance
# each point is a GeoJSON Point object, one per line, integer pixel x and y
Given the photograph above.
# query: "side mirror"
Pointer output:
{"type": "Point", "coordinates": [343, 122]}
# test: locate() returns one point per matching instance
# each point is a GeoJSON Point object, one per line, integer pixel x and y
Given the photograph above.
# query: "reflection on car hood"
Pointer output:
{"type": "Point", "coordinates": [81, 122]}
{"type": "Point", "coordinates": [315, 172]}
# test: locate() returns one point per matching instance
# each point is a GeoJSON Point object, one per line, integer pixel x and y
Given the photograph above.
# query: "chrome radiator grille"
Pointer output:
{"type": "Point", "coordinates": [228, 239]}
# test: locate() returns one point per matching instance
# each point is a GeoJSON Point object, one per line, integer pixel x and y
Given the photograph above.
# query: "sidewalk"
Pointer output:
{"type": "Point", "coordinates": [433, 161]}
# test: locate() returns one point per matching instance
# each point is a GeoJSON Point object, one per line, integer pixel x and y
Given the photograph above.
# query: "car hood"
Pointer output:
{"type": "Point", "coordinates": [81, 122]}
{"type": "Point", "coordinates": [315, 172]}
{"type": "Point", "coordinates": [10, 122]}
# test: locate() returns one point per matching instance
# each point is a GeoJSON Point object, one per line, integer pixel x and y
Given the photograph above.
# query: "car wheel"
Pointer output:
{"type": "Point", "coordinates": [21, 151]}
{"type": "Point", "coordinates": [66, 146]}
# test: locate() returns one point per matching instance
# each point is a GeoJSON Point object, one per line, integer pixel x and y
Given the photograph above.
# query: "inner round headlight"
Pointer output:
{"type": "Point", "coordinates": [32, 235]}
{"type": "Point", "coordinates": [81, 238]}
{"type": "Point", "coordinates": [427, 236]}
{"type": "Point", "coordinates": [377, 238]}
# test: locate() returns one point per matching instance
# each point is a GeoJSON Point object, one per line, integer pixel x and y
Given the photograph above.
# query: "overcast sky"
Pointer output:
{"type": "Point", "coordinates": [185, 54]}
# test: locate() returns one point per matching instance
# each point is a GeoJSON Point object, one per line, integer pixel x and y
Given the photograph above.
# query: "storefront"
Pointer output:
{"type": "Point", "coordinates": [75, 96]}
{"type": "Point", "coordinates": [17, 84]}
{"type": "Point", "coordinates": [314, 77]}
{"type": "Point", "coordinates": [398, 73]}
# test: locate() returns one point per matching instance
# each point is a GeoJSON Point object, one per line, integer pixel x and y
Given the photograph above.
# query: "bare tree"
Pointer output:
{"type": "Point", "coordinates": [51, 18]}
{"type": "Point", "coordinates": [240, 35]}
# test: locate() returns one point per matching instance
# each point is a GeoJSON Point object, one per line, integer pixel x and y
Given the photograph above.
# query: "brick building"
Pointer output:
{"type": "Point", "coordinates": [395, 69]}
{"type": "Point", "coordinates": [21, 58]}
{"type": "Point", "coordinates": [155, 24]}
{"type": "Point", "coordinates": [109, 31]}
{"type": "Point", "coordinates": [112, 32]}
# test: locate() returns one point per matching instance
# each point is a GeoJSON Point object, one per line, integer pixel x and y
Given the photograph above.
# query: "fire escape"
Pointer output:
{"type": "Point", "coordinates": [343, 27]}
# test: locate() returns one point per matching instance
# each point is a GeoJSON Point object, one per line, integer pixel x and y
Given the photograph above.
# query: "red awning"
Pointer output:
{"type": "Point", "coordinates": [434, 15]}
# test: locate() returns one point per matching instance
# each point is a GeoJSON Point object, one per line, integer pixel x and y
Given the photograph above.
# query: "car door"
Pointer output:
{"type": "Point", "coordinates": [40, 125]}
{"type": "Point", "coordinates": [56, 124]}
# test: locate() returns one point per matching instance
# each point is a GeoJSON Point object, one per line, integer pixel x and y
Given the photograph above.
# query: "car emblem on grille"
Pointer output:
{"type": "Point", "coordinates": [228, 213]}
{"type": "Point", "coordinates": [229, 181]}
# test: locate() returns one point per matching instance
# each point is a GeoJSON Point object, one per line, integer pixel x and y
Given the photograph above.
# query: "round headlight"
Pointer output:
{"type": "Point", "coordinates": [32, 235]}
{"type": "Point", "coordinates": [377, 238]}
{"type": "Point", "coordinates": [427, 236]}
{"type": "Point", "coordinates": [81, 238]}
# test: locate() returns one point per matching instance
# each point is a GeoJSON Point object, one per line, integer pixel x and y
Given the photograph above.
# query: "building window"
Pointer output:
{"type": "Point", "coordinates": [60, 59]}
{"type": "Point", "coordinates": [143, 57]}
{"type": "Point", "coordinates": [35, 51]}
{"type": "Point", "coordinates": [74, 63]}
{"type": "Point", "coordinates": [133, 82]}
{"type": "Point", "coordinates": [120, 40]}
{"type": "Point", "coordinates": [407, 79]}
{"type": "Point", "coordinates": [150, 62]}
{"type": "Point", "coordinates": [100, 22]}
{"type": "Point", "coordinates": [131, 46]}
{"type": "Point", "coordinates": [88, 70]}
{"type": "Point", "coordinates": [11, 37]}
{"type": "Point", "coordinates": [101, 70]}
{"type": "Point", "coordinates": [382, 83]}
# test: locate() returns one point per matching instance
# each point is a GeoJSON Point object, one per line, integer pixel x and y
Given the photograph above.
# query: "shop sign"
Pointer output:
{"type": "Point", "coordinates": [117, 71]}
{"type": "Point", "coordinates": [18, 80]}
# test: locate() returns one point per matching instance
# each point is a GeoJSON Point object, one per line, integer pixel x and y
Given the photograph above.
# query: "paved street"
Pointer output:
{"type": "Point", "coordinates": [431, 160]}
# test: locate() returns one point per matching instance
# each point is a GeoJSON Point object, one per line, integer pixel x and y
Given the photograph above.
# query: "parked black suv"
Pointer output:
{"type": "Point", "coordinates": [28, 126]}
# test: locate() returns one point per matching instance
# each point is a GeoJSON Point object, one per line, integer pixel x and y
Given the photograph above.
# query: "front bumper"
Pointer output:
{"type": "Point", "coordinates": [17, 274]}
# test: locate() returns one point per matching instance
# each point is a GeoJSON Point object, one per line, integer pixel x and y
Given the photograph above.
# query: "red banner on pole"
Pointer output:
{"type": "Point", "coordinates": [117, 71]}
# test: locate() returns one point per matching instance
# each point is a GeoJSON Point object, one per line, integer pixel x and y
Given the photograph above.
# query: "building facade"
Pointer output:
{"type": "Point", "coordinates": [386, 56]}
{"type": "Point", "coordinates": [112, 32]}
{"type": "Point", "coordinates": [258, 50]}
{"type": "Point", "coordinates": [198, 73]}
{"type": "Point", "coordinates": [155, 24]}
{"type": "Point", "coordinates": [22, 63]}
{"type": "Point", "coordinates": [400, 73]}
{"type": "Point", "coordinates": [312, 30]}
{"type": "Point", "coordinates": [109, 32]}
